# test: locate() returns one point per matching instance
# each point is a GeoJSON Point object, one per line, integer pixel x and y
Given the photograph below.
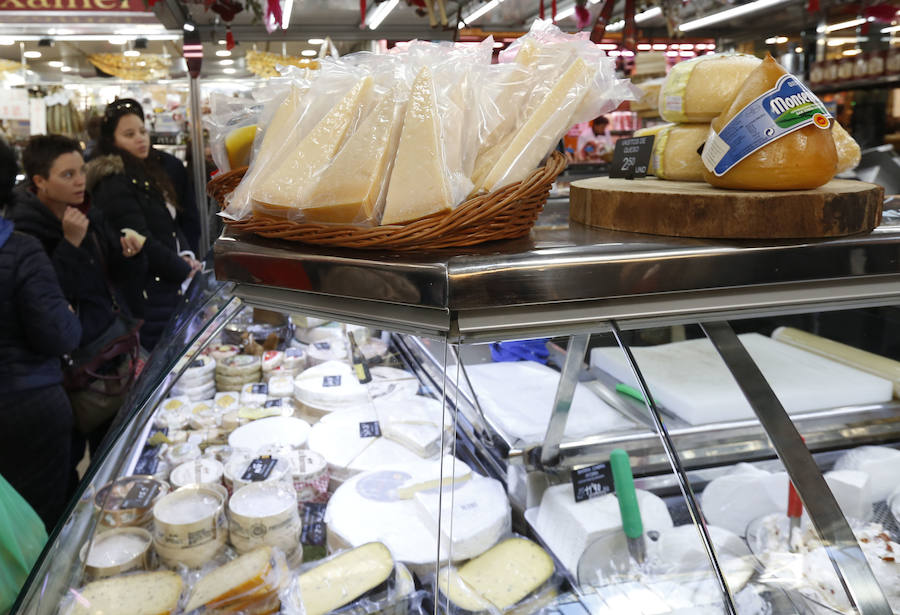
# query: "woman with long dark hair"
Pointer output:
{"type": "Point", "coordinates": [133, 191]}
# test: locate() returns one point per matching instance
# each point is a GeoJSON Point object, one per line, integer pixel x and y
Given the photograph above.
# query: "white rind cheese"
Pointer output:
{"type": "Point", "coordinates": [329, 386]}
{"type": "Point", "coordinates": [151, 593]}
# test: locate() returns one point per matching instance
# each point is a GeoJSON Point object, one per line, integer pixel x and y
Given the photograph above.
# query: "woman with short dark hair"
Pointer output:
{"type": "Point", "coordinates": [133, 191]}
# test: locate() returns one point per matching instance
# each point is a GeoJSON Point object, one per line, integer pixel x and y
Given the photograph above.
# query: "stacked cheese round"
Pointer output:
{"type": "Point", "coordinates": [329, 386]}
{"type": "Point", "coordinates": [319, 333]}
{"type": "Point", "coordinates": [223, 351]}
{"type": "Point", "coordinates": [200, 471]}
{"type": "Point", "coordinates": [286, 364]}
{"type": "Point", "coordinates": [237, 468]}
{"type": "Point", "coordinates": [333, 349]}
{"type": "Point", "coordinates": [262, 514]}
{"type": "Point", "coordinates": [234, 372]}
{"type": "Point", "coordinates": [197, 382]}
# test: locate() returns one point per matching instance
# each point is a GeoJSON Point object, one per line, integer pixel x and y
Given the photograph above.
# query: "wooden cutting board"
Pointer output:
{"type": "Point", "coordinates": [694, 209]}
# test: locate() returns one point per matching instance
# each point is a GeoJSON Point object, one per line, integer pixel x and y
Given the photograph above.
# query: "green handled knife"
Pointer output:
{"type": "Point", "coordinates": [628, 504]}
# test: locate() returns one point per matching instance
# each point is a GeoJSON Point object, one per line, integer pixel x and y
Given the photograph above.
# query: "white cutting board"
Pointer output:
{"type": "Point", "coordinates": [518, 397]}
{"type": "Point", "coordinates": [690, 379]}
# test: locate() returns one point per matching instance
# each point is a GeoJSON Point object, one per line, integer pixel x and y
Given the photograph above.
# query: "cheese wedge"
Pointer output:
{"type": "Point", "coordinates": [508, 572]}
{"type": "Point", "coordinates": [419, 184]}
{"type": "Point", "coordinates": [344, 578]}
{"type": "Point", "coordinates": [241, 578]}
{"type": "Point", "coordinates": [542, 129]}
{"type": "Point", "coordinates": [698, 90]}
{"type": "Point", "coordinates": [151, 593]}
{"type": "Point", "coordinates": [848, 151]}
{"type": "Point", "coordinates": [800, 160]}
{"type": "Point", "coordinates": [238, 144]}
{"type": "Point", "coordinates": [349, 188]}
{"type": "Point", "coordinates": [289, 184]}
{"type": "Point", "coordinates": [675, 154]}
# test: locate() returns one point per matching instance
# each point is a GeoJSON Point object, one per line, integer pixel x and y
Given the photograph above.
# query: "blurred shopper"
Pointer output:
{"type": "Point", "coordinates": [133, 191]}
{"type": "Point", "coordinates": [92, 263]}
{"type": "Point", "coordinates": [36, 327]}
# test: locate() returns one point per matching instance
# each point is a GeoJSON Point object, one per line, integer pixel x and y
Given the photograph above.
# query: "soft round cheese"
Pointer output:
{"type": "Point", "coordinates": [294, 359]}
{"type": "Point", "coordinates": [199, 370]}
{"type": "Point", "coordinates": [419, 423]}
{"type": "Point", "coordinates": [223, 351]}
{"type": "Point", "coordinates": [236, 469]}
{"type": "Point", "coordinates": [181, 453]}
{"type": "Point", "coordinates": [281, 386]}
{"type": "Point", "coordinates": [285, 430]}
{"type": "Point", "coordinates": [311, 335]}
{"type": "Point", "coordinates": [327, 350]}
{"type": "Point", "coordinates": [272, 359]}
{"type": "Point", "coordinates": [747, 493]}
{"type": "Point", "coordinates": [307, 322]}
{"type": "Point", "coordinates": [118, 547]}
{"type": "Point", "coordinates": [698, 90]}
{"type": "Point", "coordinates": [337, 439]}
{"type": "Point", "coordinates": [329, 386]}
{"type": "Point", "coordinates": [239, 365]}
{"type": "Point", "coordinates": [199, 471]}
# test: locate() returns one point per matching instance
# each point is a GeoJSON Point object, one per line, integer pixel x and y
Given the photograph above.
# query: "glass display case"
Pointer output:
{"type": "Point", "coordinates": [577, 422]}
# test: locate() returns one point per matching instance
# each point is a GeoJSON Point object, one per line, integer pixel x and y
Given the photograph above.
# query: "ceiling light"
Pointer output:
{"type": "Point", "coordinates": [781, 40]}
{"type": "Point", "coordinates": [222, 41]}
{"type": "Point", "coordinates": [844, 25]}
{"type": "Point", "coordinates": [644, 47]}
{"type": "Point", "coordinates": [229, 71]}
{"type": "Point", "coordinates": [728, 14]}
{"type": "Point", "coordinates": [55, 64]}
{"type": "Point", "coordinates": [798, 49]}
{"type": "Point", "coordinates": [659, 47]}
{"type": "Point", "coordinates": [490, 6]}
{"type": "Point", "coordinates": [565, 13]}
{"type": "Point", "coordinates": [32, 55]}
{"type": "Point", "coordinates": [614, 53]}
{"type": "Point", "coordinates": [286, 14]}
{"type": "Point", "coordinates": [66, 69]}
{"type": "Point", "coordinates": [381, 12]}
{"type": "Point", "coordinates": [883, 31]}
{"type": "Point", "coordinates": [131, 53]}
{"type": "Point", "coordinates": [7, 40]}
{"type": "Point", "coordinates": [117, 40]}
{"type": "Point", "coordinates": [628, 54]}
{"type": "Point", "coordinates": [309, 53]}
{"type": "Point", "coordinates": [837, 41]}
{"type": "Point", "coordinates": [686, 46]}
{"type": "Point", "coordinates": [499, 45]}
{"type": "Point", "coordinates": [672, 54]}
{"type": "Point", "coordinates": [226, 62]}
{"type": "Point", "coordinates": [189, 27]}
{"type": "Point", "coordinates": [852, 52]}
{"type": "Point", "coordinates": [607, 46]}
{"type": "Point", "coordinates": [687, 54]}
{"type": "Point", "coordinates": [639, 18]}
{"type": "Point", "coordinates": [223, 53]}
{"type": "Point", "coordinates": [316, 41]}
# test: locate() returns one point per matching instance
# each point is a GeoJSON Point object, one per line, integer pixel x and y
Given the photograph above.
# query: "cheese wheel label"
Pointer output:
{"type": "Point", "coordinates": [787, 107]}
{"type": "Point", "coordinates": [331, 381]}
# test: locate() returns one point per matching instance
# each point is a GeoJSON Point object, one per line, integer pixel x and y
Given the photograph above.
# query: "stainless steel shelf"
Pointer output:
{"type": "Point", "coordinates": [564, 279]}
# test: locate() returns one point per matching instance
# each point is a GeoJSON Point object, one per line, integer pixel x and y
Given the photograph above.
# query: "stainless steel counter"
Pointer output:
{"type": "Point", "coordinates": [565, 278]}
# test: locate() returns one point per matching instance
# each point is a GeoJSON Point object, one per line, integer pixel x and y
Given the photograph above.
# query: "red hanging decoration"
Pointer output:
{"type": "Point", "coordinates": [881, 12]}
{"type": "Point", "coordinates": [553, 10]}
{"type": "Point", "coordinates": [273, 15]}
{"type": "Point", "coordinates": [599, 29]}
{"type": "Point", "coordinates": [542, 10]}
{"type": "Point", "coordinates": [229, 38]}
{"type": "Point", "coordinates": [226, 9]}
{"type": "Point", "coordinates": [362, 13]}
{"type": "Point", "coordinates": [812, 6]}
{"type": "Point", "coordinates": [629, 36]}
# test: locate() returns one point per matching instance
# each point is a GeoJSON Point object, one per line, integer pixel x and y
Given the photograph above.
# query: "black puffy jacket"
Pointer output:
{"type": "Point", "coordinates": [130, 201]}
{"type": "Point", "coordinates": [82, 271]}
{"type": "Point", "coordinates": [188, 218]}
{"type": "Point", "coordinates": [36, 325]}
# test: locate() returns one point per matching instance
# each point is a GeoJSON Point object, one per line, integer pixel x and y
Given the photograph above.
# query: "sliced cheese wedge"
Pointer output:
{"type": "Point", "coordinates": [848, 151]}
{"type": "Point", "coordinates": [289, 184]}
{"type": "Point", "coordinates": [151, 593]}
{"type": "Point", "coordinates": [419, 184]}
{"type": "Point", "coordinates": [675, 152]}
{"type": "Point", "coordinates": [344, 578]}
{"type": "Point", "coordinates": [349, 188]}
{"type": "Point", "coordinates": [543, 129]}
{"type": "Point", "coordinates": [240, 578]}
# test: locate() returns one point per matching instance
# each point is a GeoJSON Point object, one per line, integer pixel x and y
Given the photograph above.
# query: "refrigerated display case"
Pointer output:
{"type": "Point", "coordinates": [514, 402]}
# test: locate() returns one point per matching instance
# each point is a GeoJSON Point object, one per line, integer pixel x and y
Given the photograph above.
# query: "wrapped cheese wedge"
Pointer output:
{"type": "Point", "coordinates": [773, 135]}
{"type": "Point", "coordinates": [698, 90]}
{"type": "Point", "coordinates": [675, 151]}
{"type": "Point", "coordinates": [848, 151]}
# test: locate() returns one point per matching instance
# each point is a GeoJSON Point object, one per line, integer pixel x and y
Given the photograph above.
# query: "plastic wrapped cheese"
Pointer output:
{"type": "Point", "coordinates": [675, 151]}
{"type": "Point", "coordinates": [698, 90]}
{"type": "Point", "coordinates": [848, 151]}
{"type": "Point", "coordinates": [771, 103]}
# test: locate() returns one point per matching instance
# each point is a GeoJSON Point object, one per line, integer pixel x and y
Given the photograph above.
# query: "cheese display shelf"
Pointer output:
{"type": "Point", "coordinates": [447, 482]}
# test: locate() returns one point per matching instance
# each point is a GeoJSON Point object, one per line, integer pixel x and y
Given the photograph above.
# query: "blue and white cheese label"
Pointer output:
{"type": "Point", "coordinates": [789, 106]}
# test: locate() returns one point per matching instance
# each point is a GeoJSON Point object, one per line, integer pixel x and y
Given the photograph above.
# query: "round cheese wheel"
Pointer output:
{"type": "Point", "coordinates": [327, 350]}
{"type": "Point", "coordinates": [239, 365]}
{"type": "Point", "coordinates": [329, 386]}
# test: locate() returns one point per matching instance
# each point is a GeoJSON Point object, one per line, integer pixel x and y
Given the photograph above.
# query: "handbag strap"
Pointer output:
{"type": "Point", "coordinates": [101, 255]}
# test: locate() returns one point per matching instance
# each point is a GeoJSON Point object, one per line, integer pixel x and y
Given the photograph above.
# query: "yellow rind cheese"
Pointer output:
{"type": "Point", "coordinates": [344, 578]}
{"type": "Point", "coordinates": [848, 151]}
{"type": "Point", "coordinates": [675, 154]}
{"type": "Point", "coordinates": [698, 90]}
{"type": "Point", "coordinates": [238, 145]}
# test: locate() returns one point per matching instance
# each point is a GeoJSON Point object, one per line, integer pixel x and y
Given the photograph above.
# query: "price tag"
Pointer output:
{"type": "Point", "coordinates": [196, 363]}
{"type": "Point", "coordinates": [592, 481]}
{"type": "Point", "coordinates": [273, 403]}
{"type": "Point", "coordinates": [323, 345]}
{"type": "Point", "coordinates": [260, 389]}
{"type": "Point", "coordinates": [140, 496]}
{"type": "Point", "coordinates": [371, 429]}
{"type": "Point", "coordinates": [631, 157]}
{"type": "Point", "coordinates": [293, 352]}
{"type": "Point", "coordinates": [331, 381]}
{"type": "Point", "coordinates": [259, 469]}
{"type": "Point", "coordinates": [313, 533]}
{"type": "Point", "coordinates": [148, 462]}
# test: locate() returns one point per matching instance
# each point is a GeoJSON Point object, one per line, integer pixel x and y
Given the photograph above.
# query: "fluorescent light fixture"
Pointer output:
{"type": "Point", "coordinates": [286, 14]}
{"type": "Point", "coordinates": [117, 40]}
{"type": "Point", "coordinates": [614, 54]}
{"type": "Point", "coordinates": [883, 30]}
{"type": "Point", "coordinates": [316, 41]}
{"type": "Point", "coordinates": [845, 40]}
{"type": "Point", "coordinates": [7, 40]}
{"type": "Point", "coordinates": [490, 6]}
{"type": "Point", "coordinates": [228, 62]}
{"type": "Point", "coordinates": [309, 53]}
{"type": "Point", "coordinates": [222, 41]}
{"type": "Point", "coordinates": [55, 64]}
{"type": "Point", "coordinates": [687, 54]}
{"type": "Point", "coordinates": [728, 14]}
{"type": "Point", "coordinates": [131, 53]}
{"type": "Point", "coordinates": [66, 69]}
{"type": "Point", "coordinates": [672, 54]}
{"type": "Point", "coordinates": [566, 12]}
{"type": "Point", "coordinates": [381, 12]}
{"type": "Point", "coordinates": [844, 25]}
{"type": "Point", "coordinates": [607, 46]}
{"type": "Point", "coordinates": [223, 53]}
{"type": "Point", "coordinates": [32, 55]}
{"type": "Point", "coordinates": [628, 54]}
{"type": "Point", "coordinates": [798, 49]}
{"type": "Point", "coordinates": [229, 71]}
{"type": "Point", "coordinates": [686, 46]}
{"type": "Point", "coordinates": [644, 47]}
{"type": "Point", "coordinates": [852, 52]}
{"type": "Point", "coordinates": [639, 18]}
{"type": "Point", "coordinates": [189, 27]}
{"type": "Point", "coordinates": [499, 45]}
{"type": "Point", "coordinates": [660, 46]}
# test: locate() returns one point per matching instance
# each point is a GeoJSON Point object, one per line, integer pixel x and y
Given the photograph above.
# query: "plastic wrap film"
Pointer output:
{"type": "Point", "coordinates": [848, 151]}
{"type": "Point", "coordinates": [675, 153]}
{"type": "Point", "coordinates": [698, 90]}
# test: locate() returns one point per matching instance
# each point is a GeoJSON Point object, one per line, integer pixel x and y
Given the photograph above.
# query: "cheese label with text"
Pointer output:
{"type": "Point", "coordinates": [592, 481]}
{"type": "Point", "coordinates": [140, 496]}
{"type": "Point", "coordinates": [370, 429]}
{"type": "Point", "coordinates": [331, 381]}
{"type": "Point", "coordinates": [323, 345]}
{"type": "Point", "coordinates": [313, 532]}
{"type": "Point", "coordinates": [274, 403]}
{"type": "Point", "coordinates": [259, 469]}
{"type": "Point", "coordinates": [787, 107]}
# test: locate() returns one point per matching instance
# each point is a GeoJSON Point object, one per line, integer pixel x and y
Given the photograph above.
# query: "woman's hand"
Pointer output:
{"type": "Point", "coordinates": [132, 242]}
{"type": "Point", "coordinates": [194, 263]}
{"type": "Point", "coordinates": [74, 226]}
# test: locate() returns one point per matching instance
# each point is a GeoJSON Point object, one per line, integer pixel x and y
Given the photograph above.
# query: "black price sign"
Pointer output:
{"type": "Point", "coordinates": [196, 363]}
{"type": "Point", "coordinates": [140, 496]}
{"type": "Point", "coordinates": [331, 381]}
{"type": "Point", "coordinates": [260, 389]}
{"type": "Point", "coordinates": [592, 481]}
{"type": "Point", "coordinates": [371, 429]}
{"type": "Point", "coordinates": [323, 345]}
{"type": "Point", "coordinates": [631, 157]}
{"type": "Point", "coordinates": [273, 403]}
{"type": "Point", "coordinates": [259, 469]}
{"type": "Point", "coordinates": [293, 352]}
{"type": "Point", "coordinates": [313, 533]}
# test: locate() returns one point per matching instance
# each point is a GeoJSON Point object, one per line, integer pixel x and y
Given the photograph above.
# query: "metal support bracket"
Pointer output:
{"type": "Point", "coordinates": [826, 516]}
{"type": "Point", "coordinates": [563, 401]}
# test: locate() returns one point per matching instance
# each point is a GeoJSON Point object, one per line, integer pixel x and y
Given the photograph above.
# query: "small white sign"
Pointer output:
{"type": "Point", "coordinates": [14, 104]}
{"type": "Point", "coordinates": [38, 123]}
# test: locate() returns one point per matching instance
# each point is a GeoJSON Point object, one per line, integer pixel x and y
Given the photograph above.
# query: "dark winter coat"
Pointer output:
{"type": "Point", "coordinates": [83, 271]}
{"type": "Point", "coordinates": [188, 218]}
{"type": "Point", "coordinates": [36, 325]}
{"type": "Point", "coordinates": [129, 200]}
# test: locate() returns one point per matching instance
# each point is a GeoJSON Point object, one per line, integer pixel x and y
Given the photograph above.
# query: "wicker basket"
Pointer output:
{"type": "Point", "coordinates": [505, 213]}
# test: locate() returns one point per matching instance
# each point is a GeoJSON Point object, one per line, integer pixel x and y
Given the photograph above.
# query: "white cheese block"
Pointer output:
{"type": "Point", "coordinates": [241, 575]}
{"type": "Point", "coordinates": [881, 463]}
{"type": "Point", "coordinates": [150, 593]}
{"type": "Point", "coordinates": [853, 491]}
{"type": "Point", "coordinates": [294, 359]}
{"type": "Point", "coordinates": [329, 386]}
{"type": "Point", "coordinates": [319, 333]}
{"type": "Point", "coordinates": [690, 379]}
{"type": "Point", "coordinates": [419, 183]}
{"type": "Point", "coordinates": [680, 551]}
{"type": "Point", "coordinates": [388, 519]}
{"type": "Point", "coordinates": [281, 372]}
{"type": "Point", "coordinates": [734, 500]}
{"type": "Point", "coordinates": [337, 438]}
{"type": "Point", "coordinates": [392, 381]}
{"type": "Point", "coordinates": [543, 129]}
{"type": "Point", "coordinates": [416, 422]}
{"type": "Point", "coordinates": [480, 515]}
{"type": "Point", "coordinates": [285, 430]}
{"type": "Point", "coordinates": [333, 349]}
{"type": "Point", "coordinates": [238, 365]}
{"type": "Point", "coordinates": [453, 472]}
{"type": "Point", "coordinates": [518, 398]}
{"type": "Point", "coordinates": [177, 454]}
{"type": "Point", "coordinates": [568, 527]}
{"type": "Point", "coordinates": [384, 452]}
{"type": "Point", "coordinates": [178, 403]}
{"type": "Point", "coordinates": [204, 415]}
{"type": "Point", "coordinates": [254, 394]}
{"type": "Point", "coordinates": [352, 184]}
{"type": "Point", "coordinates": [345, 577]}
{"type": "Point", "coordinates": [272, 359]}
{"type": "Point", "coordinates": [281, 386]}
{"type": "Point", "coordinates": [291, 179]}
